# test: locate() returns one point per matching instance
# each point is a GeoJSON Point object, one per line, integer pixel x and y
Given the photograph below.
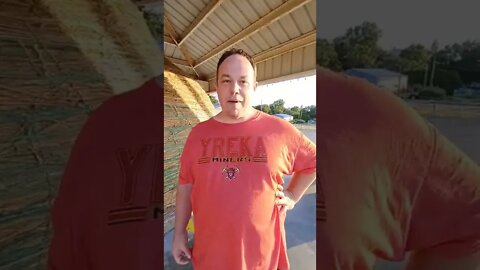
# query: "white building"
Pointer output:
{"type": "Point", "coordinates": [284, 116]}
{"type": "Point", "coordinates": [386, 79]}
{"type": "Point", "coordinates": [467, 92]}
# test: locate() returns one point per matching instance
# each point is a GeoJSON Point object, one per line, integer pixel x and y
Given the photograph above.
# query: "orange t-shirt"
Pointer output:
{"type": "Point", "coordinates": [234, 169]}
{"type": "Point", "coordinates": [107, 212]}
{"type": "Point", "coordinates": [391, 183]}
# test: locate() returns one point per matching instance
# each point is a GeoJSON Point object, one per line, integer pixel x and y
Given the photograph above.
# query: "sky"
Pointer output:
{"type": "Point", "coordinates": [402, 22]}
{"type": "Point", "coordinates": [296, 92]}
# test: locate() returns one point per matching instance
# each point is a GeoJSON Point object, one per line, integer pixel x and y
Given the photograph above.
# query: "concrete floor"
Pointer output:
{"type": "Point", "coordinates": [464, 133]}
{"type": "Point", "coordinates": [300, 229]}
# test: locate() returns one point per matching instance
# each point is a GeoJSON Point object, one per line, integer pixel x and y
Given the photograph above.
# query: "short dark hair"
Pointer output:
{"type": "Point", "coordinates": [241, 52]}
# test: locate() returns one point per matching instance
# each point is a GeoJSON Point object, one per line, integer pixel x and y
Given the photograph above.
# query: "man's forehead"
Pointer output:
{"type": "Point", "coordinates": [228, 75]}
{"type": "Point", "coordinates": [236, 59]}
{"type": "Point", "coordinates": [236, 65]}
{"type": "Point", "coordinates": [231, 68]}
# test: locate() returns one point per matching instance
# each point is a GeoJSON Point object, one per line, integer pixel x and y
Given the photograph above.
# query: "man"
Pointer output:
{"type": "Point", "coordinates": [390, 183]}
{"type": "Point", "coordinates": [231, 174]}
{"type": "Point", "coordinates": [108, 210]}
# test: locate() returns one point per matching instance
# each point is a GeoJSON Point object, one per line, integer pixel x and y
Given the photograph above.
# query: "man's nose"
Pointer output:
{"type": "Point", "coordinates": [236, 88]}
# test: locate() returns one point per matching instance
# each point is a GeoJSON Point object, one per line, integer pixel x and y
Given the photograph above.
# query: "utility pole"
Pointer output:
{"type": "Point", "coordinates": [434, 57]}
{"type": "Point", "coordinates": [426, 74]}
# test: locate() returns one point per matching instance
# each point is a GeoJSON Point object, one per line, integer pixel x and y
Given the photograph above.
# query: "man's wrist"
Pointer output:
{"type": "Point", "coordinates": [180, 232]}
{"type": "Point", "coordinates": [290, 194]}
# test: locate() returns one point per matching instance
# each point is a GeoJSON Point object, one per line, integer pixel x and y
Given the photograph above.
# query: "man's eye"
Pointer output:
{"type": "Point", "coordinates": [225, 81]}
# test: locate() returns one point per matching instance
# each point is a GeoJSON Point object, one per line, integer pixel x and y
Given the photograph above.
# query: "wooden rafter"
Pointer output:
{"type": "Point", "coordinates": [178, 61]}
{"type": "Point", "coordinates": [293, 44]}
{"type": "Point", "coordinates": [173, 35]}
{"type": "Point", "coordinates": [148, 2]}
{"type": "Point", "coordinates": [272, 16]}
{"type": "Point", "coordinates": [200, 18]}
{"type": "Point", "coordinates": [168, 39]}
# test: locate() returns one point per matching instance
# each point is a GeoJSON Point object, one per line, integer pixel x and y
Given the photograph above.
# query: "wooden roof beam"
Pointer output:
{"type": "Point", "coordinates": [177, 61]}
{"type": "Point", "coordinates": [148, 2]}
{"type": "Point", "coordinates": [200, 18]}
{"type": "Point", "coordinates": [291, 45]}
{"type": "Point", "coordinates": [285, 8]}
{"type": "Point", "coordinates": [173, 35]}
{"type": "Point", "coordinates": [168, 39]}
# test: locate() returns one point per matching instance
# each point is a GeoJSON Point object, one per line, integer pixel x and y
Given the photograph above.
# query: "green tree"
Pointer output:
{"type": "Point", "coordinates": [213, 99]}
{"type": "Point", "coordinates": [327, 56]}
{"type": "Point", "coordinates": [448, 80]}
{"type": "Point", "coordinates": [449, 54]}
{"type": "Point", "coordinates": [469, 63]}
{"type": "Point", "coordinates": [416, 57]}
{"type": "Point", "coordinates": [264, 108]}
{"type": "Point", "coordinates": [359, 46]}
{"type": "Point", "coordinates": [278, 106]}
{"type": "Point", "coordinates": [308, 112]}
{"type": "Point", "coordinates": [463, 58]}
{"type": "Point", "coordinates": [391, 61]}
{"type": "Point", "coordinates": [295, 112]}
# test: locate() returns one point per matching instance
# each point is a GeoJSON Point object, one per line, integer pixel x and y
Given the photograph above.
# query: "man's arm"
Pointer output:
{"type": "Point", "coordinates": [183, 212]}
{"type": "Point", "coordinates": [299, 184]}
{"type": "Point", "coordinates": [445, 224]}
{"type": "Point", "coordinates": [296, 188]}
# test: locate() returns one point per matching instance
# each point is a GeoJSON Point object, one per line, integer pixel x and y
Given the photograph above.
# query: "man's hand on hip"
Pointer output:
{"type": "Point", "coordinates": [284, 199]}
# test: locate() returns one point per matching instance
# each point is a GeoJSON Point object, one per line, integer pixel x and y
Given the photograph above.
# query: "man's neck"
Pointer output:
{"type": "Point", "coordinates": [224, 118]}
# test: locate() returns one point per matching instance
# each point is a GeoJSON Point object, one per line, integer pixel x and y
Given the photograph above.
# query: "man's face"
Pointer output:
{"type": "Point", "coordinates": [235, 86]}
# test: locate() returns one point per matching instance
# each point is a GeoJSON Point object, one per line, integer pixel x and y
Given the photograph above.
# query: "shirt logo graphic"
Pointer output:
{"type": "Point", "coordinates": [230, 172]}
{"type": "Point", "coordinates": [233, 149]}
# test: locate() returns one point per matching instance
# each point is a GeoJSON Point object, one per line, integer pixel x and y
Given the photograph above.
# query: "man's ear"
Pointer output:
{"type": "Point", "coordinates": [255, 86]}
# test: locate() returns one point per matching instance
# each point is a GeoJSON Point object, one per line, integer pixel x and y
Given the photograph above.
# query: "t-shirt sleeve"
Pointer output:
{"type": "Point", "coordinates": [185, 175]}
{"type": "Point", "coordinates": [305, 154]}
{"type": "Point", "coordinates": [446, 213]}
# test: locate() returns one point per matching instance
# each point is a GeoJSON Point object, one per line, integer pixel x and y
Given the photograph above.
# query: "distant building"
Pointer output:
{"type": "Point", "coordinates": [475, 85]}
{"type": "Point", "coordinates": [383, 78]}
{"type": "Point", "coordinates": [467, 92]}
{"type": "Point", "coordinates": [284, 116]}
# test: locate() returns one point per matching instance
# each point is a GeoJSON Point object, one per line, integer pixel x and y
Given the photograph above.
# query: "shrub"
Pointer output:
{"type": "Point", "coordinates": [431, 93]}
{"type": "Point", "coordinates": [298, 121]}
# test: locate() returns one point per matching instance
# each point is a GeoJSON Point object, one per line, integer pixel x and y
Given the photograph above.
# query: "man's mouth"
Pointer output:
{"type": "Point", "coordinates": [234, 101]}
